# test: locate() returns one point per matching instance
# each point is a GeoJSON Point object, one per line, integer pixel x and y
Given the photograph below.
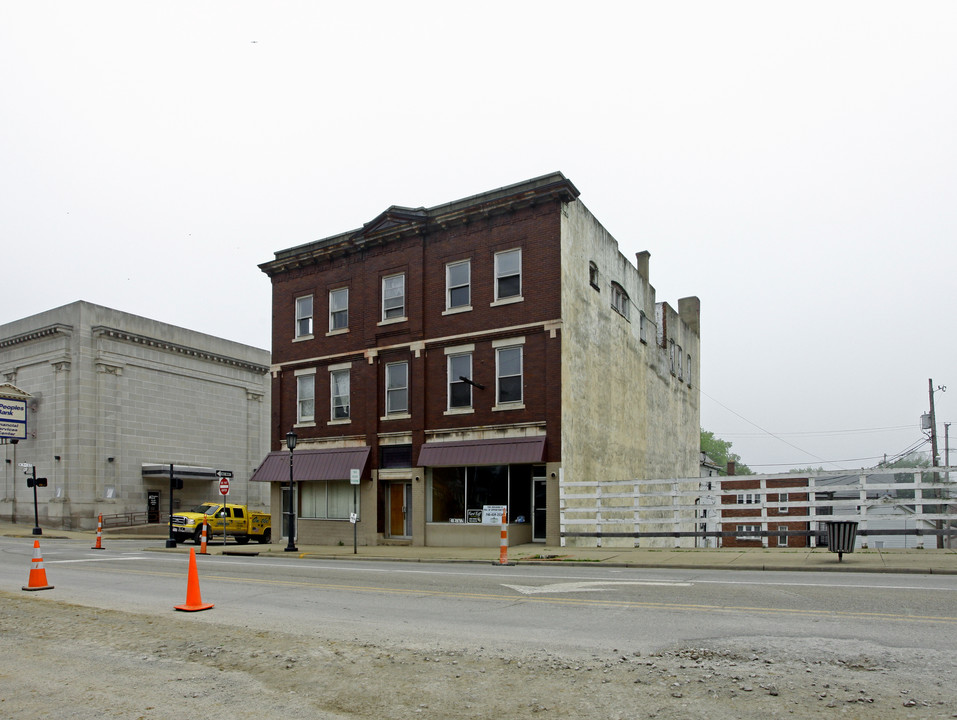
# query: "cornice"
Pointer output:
{"type": "Point", "coordinates": [400, 222]}
{"type": "Point", "coordinates": [38, 334]}
{"type": "Point", "coordinates": [101, 331]}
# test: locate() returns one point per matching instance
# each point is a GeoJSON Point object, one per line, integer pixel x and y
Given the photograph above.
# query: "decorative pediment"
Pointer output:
{"type": "Point", "coordinates": [396, 218]}
{"type": "Point", "coordinates": [8, 390]}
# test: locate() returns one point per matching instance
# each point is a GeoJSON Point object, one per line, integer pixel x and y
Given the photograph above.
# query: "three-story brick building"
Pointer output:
{"type": "Point", "coordinates": [468, 357]}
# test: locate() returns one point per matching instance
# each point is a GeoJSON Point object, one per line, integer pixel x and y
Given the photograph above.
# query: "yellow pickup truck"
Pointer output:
{"type": "Point", "coordinates": [241, 524]}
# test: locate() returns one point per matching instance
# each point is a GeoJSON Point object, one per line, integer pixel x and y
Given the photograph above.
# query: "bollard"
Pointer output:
{"type": "Point", "coordinates": [99, 534]}
{"type": "Point", "coordinates": [202, 547]}
{"type": "Point", "coordinates": [503, 548]}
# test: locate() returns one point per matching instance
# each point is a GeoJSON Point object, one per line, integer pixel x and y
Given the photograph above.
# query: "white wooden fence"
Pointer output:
{"type": "Point", "coordinates": [695, 512]}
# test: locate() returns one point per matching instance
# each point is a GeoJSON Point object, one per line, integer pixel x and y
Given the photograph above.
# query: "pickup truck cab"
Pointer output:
{"type": "Point", "coordinates": [241, 524]}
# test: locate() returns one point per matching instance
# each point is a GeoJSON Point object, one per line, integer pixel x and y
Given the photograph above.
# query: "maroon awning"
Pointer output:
{"type": "Point", "coordinates": [505, 451]}
{"type": "Point", "coordinates": [331, 464]}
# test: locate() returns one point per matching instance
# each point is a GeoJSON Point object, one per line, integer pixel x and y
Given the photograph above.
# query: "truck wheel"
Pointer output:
{"type": "Point", "coordinates": [242, 539]}
{"type": "Point", "coordinates": [198, 535]}
{"type": "Point", "coordinates": [265, 537]}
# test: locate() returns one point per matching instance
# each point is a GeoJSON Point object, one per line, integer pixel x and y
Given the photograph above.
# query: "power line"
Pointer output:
{"type": "Point", "coordinates": [820, 433]}
{"type": "Point", "coordinates": [766, 432]}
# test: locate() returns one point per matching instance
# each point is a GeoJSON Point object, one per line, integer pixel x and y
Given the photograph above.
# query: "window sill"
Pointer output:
{"type": "Point", "coordinates": [345, 421]}
{"type": "Point", "coordinates": [303, 338]}
{"type": "Point", "coordinates": [392, 321]}
{"type": "Point", "coordinates": [507, 301]}
{"type": "Point", "coordinates": [456, 310]}
{"type": "Point", "coordinates": [396, 416]}
{"type": "Point", "coordinates": [305, 423]}
{"type": "Point", "coordinates": [340, 331]}
{"type": "Point", "coordinates": [508, 406]}
{"type": "Point", "coordinates": [459, 411]}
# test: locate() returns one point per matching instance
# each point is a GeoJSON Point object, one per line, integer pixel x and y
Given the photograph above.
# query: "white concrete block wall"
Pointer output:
{"type": "Point", "coordinates": [114, 385]}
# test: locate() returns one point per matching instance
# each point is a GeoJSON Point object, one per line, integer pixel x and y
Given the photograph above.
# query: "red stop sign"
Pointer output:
{"type": "Point", "coordinates": [224, 486]}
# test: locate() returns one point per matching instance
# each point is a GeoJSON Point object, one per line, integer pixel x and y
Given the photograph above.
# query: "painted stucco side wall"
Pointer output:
{"type": "Point", "coordinates": [625, 414]}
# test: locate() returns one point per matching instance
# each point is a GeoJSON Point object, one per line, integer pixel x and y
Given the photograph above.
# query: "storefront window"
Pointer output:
{"type": "Point", "coordinates": [459, 494]}
{"type": "Point", "coordinates": [448, 494]}
{"type": "Point", "coordinates": [330, 500]}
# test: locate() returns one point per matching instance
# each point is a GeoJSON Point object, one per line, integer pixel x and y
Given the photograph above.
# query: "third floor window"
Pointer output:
{"type": "Point", "coordinates": [458, 278]}
{"type": "Point", "coordinates": [339, 309]}
{"type": "Point", "coordinates": [304, 316]}
{"type": "Point", "coordinates": [393, 297]}
{"type": "Point", "coordinates": [508, 274]}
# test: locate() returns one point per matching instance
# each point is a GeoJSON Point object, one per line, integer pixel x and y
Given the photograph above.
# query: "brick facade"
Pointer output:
{"type": "Point", "coordinates": [419, 244]}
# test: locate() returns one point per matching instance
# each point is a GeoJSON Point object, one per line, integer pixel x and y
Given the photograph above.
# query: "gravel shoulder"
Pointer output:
{"type": "Point", "coordinates": [64, 661]}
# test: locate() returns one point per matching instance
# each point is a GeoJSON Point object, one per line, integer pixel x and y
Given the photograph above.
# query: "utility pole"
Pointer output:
{"type": "Point", "coordinates": [933, 455]}
{"type": "Point", "coordinates": [950, 493]}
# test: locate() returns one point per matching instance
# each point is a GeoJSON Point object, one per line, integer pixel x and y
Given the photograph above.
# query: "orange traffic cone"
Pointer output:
{"type": "Point", "coordinates": [194, 599]}
{"type": "Point", "coordinates": [99, 534]}
{"type": "Point", "coordinates": [38, 575]}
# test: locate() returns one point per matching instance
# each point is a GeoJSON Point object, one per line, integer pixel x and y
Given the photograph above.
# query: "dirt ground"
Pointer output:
{"type": "Point", "coordinates": [62, 661]}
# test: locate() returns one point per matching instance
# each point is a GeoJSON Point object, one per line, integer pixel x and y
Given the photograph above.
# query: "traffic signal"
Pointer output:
{"type": "Point", "coordinates": [40, 482]}
{"type": "Point", "coordinates": [177, 483]}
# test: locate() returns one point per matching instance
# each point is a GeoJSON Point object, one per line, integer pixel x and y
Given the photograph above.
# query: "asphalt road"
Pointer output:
{"type": "Point", "coordinates": [575, 608]}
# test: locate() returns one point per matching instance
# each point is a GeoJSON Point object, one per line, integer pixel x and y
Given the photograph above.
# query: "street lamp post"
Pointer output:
{"type": "Point", "coordinates": [291, 438]}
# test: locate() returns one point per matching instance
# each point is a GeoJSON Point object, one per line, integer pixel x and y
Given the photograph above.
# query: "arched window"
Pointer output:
{"type": "Point", "coordinates": [619, 300]}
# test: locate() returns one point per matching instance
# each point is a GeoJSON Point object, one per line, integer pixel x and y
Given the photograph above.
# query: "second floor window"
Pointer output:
{"type": "Point", "coordinates": [509, 376]}
{"type": "Point", "coordinates": [393, 297]}
{"type": "Point", "coordinates": [306, 398]}
{"type": "Point", "coordinates": [460, 390]}
{"type": "Point", "coordinates": [339, 380]}
{"type": "Point", "coordinates": [458, 278]}
{"type": "Point", "coordinates": [304, 316]}
{"type": "Point", "coordinates": [508, 274]}
{"type": "Point", "coordinates": [397, 388]}
{"type": "Point", "coordinates": [339, 309]}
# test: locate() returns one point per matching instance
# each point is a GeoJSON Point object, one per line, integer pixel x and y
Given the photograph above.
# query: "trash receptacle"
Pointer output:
{"type": "Point", "coordinates": [841, 536]}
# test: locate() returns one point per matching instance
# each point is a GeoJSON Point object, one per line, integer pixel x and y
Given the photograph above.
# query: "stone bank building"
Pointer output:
{"type": "Point", "coordinates": [467, 358]}
{"type": "Point", "coordinates": [112, 400]}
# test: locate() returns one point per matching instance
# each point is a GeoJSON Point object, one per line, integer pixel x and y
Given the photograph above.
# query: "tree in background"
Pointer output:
{"type": "Point", "coordinates": [720, 452]}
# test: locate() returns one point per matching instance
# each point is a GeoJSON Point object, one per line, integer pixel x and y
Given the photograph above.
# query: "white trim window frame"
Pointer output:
{"type": "Point", "coordinates": [459, 391]}
{"type": "Point", "coordinates": [741, 529]}
{"type": "Point", "coordinates": [304, 316]}
{"type": "Point", "coordinates": [782, 539]}
{"type": "Point", "coordinates": [339, 309]}
{"type": "Point", "coordinates": [306, 397]}
{"type": "Point", "coordinates": [509, 375]}
{"type": "Point", "coordinates": [339, 393]}
{"type": "Point", "coordinates": [458, 285]}
{"type": "Point", "coordinates": [393, 297]}
{"type": "Point", "coordinates": [508, 274]}
{"type": "Point", "coordinates": [397, 388]}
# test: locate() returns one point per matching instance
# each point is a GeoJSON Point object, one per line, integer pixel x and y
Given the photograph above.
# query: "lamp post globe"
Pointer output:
{"type": "Point", "coordinates": [291, 438]}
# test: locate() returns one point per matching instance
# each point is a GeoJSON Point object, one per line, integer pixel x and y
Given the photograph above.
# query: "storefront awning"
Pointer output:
{"type": "Point", "coordinates": [330, 464]}
{"type": "Point", "coordinates": [183, 472]}
{"type": "Point", "coordinates": [505, 451]}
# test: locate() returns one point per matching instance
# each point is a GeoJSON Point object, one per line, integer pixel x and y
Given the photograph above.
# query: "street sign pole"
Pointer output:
{"type": "Point", "coordinates": [224, 491]}
{"type": "Point", "coordinates": [354, 476]}
{"type": "Point", "coordinates": [36, 511]}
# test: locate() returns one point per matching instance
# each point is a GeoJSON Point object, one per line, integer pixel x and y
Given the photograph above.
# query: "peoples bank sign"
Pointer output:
{"type": "Point", "coordinates": [13, 419]}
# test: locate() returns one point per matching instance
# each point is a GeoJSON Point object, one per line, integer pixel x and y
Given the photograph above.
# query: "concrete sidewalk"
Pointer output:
{"type": "Point", "coordinates": [928, 561]}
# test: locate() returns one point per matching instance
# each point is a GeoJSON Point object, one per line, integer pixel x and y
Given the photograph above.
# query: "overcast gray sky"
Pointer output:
{"type": "Point", "coordinates": [794, 165]}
